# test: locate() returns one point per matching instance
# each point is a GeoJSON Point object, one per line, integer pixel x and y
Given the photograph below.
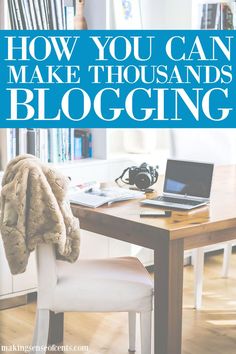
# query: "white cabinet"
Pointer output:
{"type": "Point", "coordinates": [5, 275]}
{"type": "Point", "coordinates": [16, 284]}
{"type": "Point", "coordinates": [11, 285]}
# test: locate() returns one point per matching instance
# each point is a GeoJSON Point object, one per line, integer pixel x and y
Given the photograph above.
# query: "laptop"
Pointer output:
{"type": "Point", "coordinates": [187, 185]}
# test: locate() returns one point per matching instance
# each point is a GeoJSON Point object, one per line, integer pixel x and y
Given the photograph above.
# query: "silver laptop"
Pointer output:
{"type": "Point", "coordinates": [187, 185]}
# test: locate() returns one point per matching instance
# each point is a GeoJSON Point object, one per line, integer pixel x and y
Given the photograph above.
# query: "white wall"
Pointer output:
{"type": "Point", "coordinates": [95, 14]}
{"type": "Point", "coordinates": [209, 145]}
{"type": "Point", "coordinates": [156, 14]}
{"type": "Point", "coordinates": [167, 14]}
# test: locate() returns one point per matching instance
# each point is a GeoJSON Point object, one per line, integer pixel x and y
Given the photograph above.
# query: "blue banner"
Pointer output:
{"type": "Point", "coordinates": [109, 79]}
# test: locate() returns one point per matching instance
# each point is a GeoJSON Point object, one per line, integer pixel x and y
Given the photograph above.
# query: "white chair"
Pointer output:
{"type": "Point", "coordinates": [206, 145]}
{"type": "Point", "coordinates": [104, 285]}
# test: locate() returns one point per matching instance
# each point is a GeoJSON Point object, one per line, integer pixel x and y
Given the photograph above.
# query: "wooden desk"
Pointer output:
{"type": "Point", "coordinates": [168, 239]}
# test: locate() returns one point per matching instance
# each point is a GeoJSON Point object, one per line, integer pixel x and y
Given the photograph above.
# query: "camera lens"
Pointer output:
{"type": "Point", "coordinates": [142, 180]}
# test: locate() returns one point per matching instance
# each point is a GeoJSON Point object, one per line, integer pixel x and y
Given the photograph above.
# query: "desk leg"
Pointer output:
{"type": "Point", "coordinates": [168, 279]}
{"type": "Point", "coordinates": [56, 328]}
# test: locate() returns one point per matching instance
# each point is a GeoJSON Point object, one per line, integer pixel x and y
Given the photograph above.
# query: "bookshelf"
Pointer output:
{"type": "Point", "coordinates": [106, 144]}
{"type": "Point", "coordinates": [15, 14]}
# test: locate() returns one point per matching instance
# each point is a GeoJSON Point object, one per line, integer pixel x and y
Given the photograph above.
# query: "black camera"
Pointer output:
{"type": "Point", "coordinates": [143, 177]}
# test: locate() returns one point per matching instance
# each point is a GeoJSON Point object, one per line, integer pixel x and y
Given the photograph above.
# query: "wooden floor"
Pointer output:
{"type": "Point", "coordinates": [209, 331]}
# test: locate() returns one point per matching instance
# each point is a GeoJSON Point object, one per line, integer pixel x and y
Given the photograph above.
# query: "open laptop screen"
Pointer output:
{"type": "Point", "coordinates": [188, 178]}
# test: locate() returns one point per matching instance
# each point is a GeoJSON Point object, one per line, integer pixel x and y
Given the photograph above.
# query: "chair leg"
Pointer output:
{"type": "Point", "coordinates": [132, 331]}
{"type": "Point", "coordinates": [226, 259]}
{"type": "Point", "coordinates": [146, 332]}
{"type": "Point", "coordinates": [198, 277]}
{"type": "Point", "coordinates": [40, 337]}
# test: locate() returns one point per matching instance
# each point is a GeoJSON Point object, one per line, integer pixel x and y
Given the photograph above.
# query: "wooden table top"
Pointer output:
{"type": "Point", "coordinates": [222, 210]}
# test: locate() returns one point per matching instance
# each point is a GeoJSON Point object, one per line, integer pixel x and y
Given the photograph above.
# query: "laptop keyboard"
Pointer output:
{"type": "Point", "coordinates": [178, 201]}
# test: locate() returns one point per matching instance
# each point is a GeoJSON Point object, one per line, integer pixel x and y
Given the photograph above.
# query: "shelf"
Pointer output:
{"type": "Point", "coordinates": [76, 163]}
{"type": "Point", "coordinates": [71, 164]}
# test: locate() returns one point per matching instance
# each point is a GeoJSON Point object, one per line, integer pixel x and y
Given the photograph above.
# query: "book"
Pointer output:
{"type": "Point", "coordinates": [227, 17]}
{"type": "Point", "coordinates": [64, 144]}
{"type": "Point", "coordinates": [44, 14]}
{"type": "Point", "coordinates": [21, 140]}
{"type": "Point", "coordinates": [71, 143]}
{"type": "Point", "coordinates": [31, 141]}
{"type": "Point", "coordinates": [38, 15]}
{"type": "Point", "coordinates": [52, 145]}
{"type": "Point", "coordinates": [23, 15]}
{"type": "Point", "coordinates": [28, 14]}
{"type": "Point", "coordinates": [217, 16]}
{"type": "Point", "coordinates": [16, 11]}
{"type": "Point", "coordinates": [32, 14]}
{"type": "Point", "coordinates": [83, 143]}
{"type": "Point", "coordinates": [59, 144]}
{"type": "Point", "coordinates": [52, 14]}
{"type": "Point", "coordinates": [59, 14]}
{"type": "Point", "coordinates": [69, 17]}
{"type": "Point", "coordinates": [97, 197]}
{"type": "Point", "coordinates": [11, 15]}
{"type": "Point", "coordinates": [90, 145]}
{"type": "Point", "coordinates": [209, 16]}
{"type": "Point", "coordinates": [13, 143]}
{"type": "Point", "coordinates": [43, 145]}
{"type": "Point", "coordinates": [78, 147]}
{"type": "Point", "coordinates": [83, 187]}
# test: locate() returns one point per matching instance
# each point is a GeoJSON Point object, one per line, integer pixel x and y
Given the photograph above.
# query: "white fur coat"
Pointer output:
{"type": "Point", "coordinates": [35, 210]}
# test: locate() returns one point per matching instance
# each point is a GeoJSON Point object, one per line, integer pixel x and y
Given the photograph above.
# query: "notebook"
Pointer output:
{"type": "Point", "coordinates": [97, 197]}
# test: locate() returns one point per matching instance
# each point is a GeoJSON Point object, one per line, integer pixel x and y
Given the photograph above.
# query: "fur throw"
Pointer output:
{"type": "Point", "coordinates": [35, 210]}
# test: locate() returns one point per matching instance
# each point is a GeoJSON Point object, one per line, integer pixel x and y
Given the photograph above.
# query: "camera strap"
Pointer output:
{"type": "Point", "coordinates": [122, 176]}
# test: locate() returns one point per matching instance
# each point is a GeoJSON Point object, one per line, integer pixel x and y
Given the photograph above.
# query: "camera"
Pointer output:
{"type": "Point", "coordinates": [143, 177]}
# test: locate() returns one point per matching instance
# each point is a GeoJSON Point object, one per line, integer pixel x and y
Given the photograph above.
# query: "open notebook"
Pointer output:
{"type": "Point", "coordinates": [97, 197]}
